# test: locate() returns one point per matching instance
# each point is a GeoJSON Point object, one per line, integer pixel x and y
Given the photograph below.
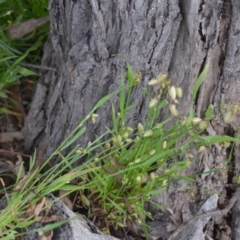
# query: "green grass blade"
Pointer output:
{"type": "Point", "coordinates": [74, 139]}
{"type": "Point", "coordinates": [199, 82]}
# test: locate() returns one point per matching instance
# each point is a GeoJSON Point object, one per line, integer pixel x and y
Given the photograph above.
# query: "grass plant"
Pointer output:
{"type": "Point", "coordinates": [123, 169]}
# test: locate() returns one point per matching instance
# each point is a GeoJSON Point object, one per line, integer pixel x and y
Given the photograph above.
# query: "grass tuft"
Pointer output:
{"type": "Point", "coordinates": [121, 173]}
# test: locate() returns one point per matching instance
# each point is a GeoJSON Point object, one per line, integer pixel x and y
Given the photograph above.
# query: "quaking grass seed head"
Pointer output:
{"type": "Point", "coordinates": [140, 128]}
{"type": "Point", "coordinates": [173, 110]}
{"type": "Point", "coordinates": [153, 81]}
{"type": "Point", "coordinates": [172, 92]}
{"type": "Point", "coordinates": [179, 92]}
{"type": "Point", "coordinates": [148, 133]}
{"type": "Point", "coordinates": [153, 103]}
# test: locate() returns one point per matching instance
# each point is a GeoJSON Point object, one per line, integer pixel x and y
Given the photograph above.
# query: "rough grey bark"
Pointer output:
{"type": "Point", "coordinates": [84, 37]}
{"type": "Point", "coordinates": [172, 36]}
{"type": "Point", "coordinates": [236, 220]}
{"type": "Point", "coordinates": [194, 231]}
{"type": "Point", "coordinates": [178, 37]}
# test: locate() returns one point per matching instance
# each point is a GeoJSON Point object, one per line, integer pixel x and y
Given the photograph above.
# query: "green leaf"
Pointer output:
{"type": "Point", "coordinates": [160, 206]}
{"type": "Point", "coordinates": [6, 58]}
{"type": "Point", "coordinates": [215, 139]}
{"type": "Point", "coordinates": [115, 119]}
{"type": "Point", "coordinates": [7, 111]}
{"type": "Point", "coordinates": [25, 223]}
{"type": "Point", "coordinates": [51, 226]}
{"type": "Point", "coordinates": [209, 112]}
{"type": "Point", "coordinates": [146, 92]}
{"type": "Point", "coordinates": [122, 97]}
{"type": "Point", "coordinates": [32, 48]}
{"type": "Point", "coordinates": [2, 1]}
{"type": "Point", "coordinates": [163, 104]}
{"type": "Point", "coordinates": [85, 200]}
{"type": "Point", "coordinates": [10, 235]}
{"type": "Point", "coordinates": [121, 210]}
{"type": "Point", "coordinates": [157, 191]}
{"type": "Point", "coordinates": [131, 106]}
{"type": "Point", "coordinates": [161, 124]}
{"type": "Point", "coordinates": [122, 225]}
{"type": "Point", "coordinates": [25, 72]}
{"type": "Point", "coordinates": [188, 179]}
{"type": "Point", "coordinates": [71, 188]}
{"type": "Point", "coordinates": [130, 74]}
{"type": "Point", "coordinates": [191, 115]}
{"type": "Point", "coordinates": [3, 95]}
{"type": "Point", "coordinates": [104, 100]}
{"type": "Point", "coordinates": [237, 133]}
{"type": "Point", "coordinates": [199, 82]}
{"type": "Point", "coordinates": [8, 49]}
{"type": "Point", "coordinates": [74, 139]}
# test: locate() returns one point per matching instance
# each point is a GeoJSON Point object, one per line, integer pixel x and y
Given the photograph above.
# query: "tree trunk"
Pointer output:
{"type": "Point", "coordinates": [179, 37]}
